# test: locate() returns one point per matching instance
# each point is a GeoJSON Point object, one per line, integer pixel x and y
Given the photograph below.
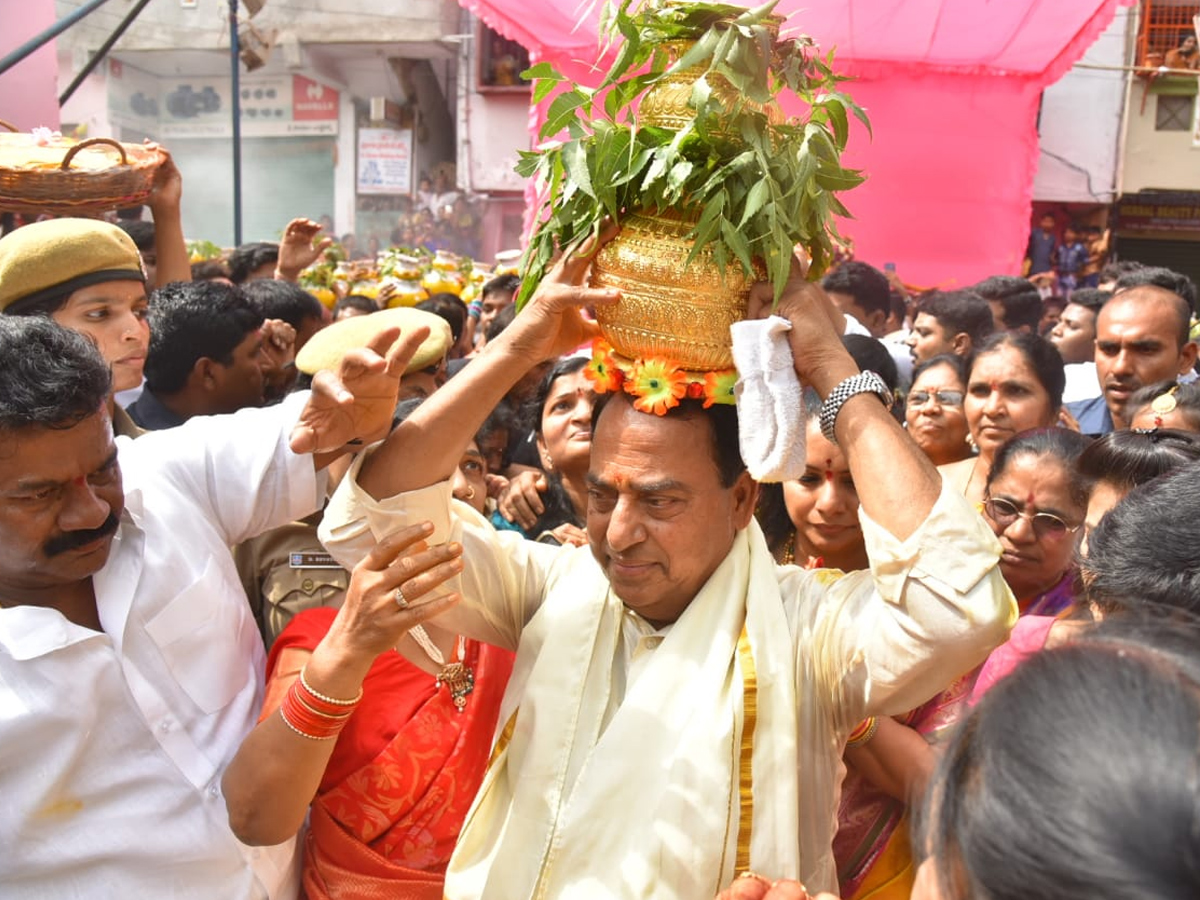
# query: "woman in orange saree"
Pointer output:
{"type": "Point", "coordinates": [388, 752]}
{"type": "Point", "coordinates": [403, 773]}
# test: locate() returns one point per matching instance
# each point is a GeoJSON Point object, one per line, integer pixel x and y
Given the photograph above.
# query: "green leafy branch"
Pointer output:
{"type": "Point", "coordinates": [754, 187]}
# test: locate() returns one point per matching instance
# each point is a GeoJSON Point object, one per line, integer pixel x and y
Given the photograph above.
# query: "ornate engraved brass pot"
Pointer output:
{"type": "Point", "coordinates": [667, 310]}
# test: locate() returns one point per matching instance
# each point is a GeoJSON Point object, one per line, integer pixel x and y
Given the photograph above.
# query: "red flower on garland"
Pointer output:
{"type": "Point", "coordinates": [718, 387]}
{"type": "Point", "coordinates": [603, 371]}
{"type": "Point", "coordinates": [657, 384]}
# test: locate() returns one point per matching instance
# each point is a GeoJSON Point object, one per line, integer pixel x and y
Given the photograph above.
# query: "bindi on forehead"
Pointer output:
{"type": "Point", "coordinates": [829, 469]}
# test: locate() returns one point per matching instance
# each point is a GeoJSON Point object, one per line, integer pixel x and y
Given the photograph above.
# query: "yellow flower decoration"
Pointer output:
{"type": "Point", "coordinates": [657, 384]}
{"type": "Point", "coordinates": [718, 387]}
{"type": "Point", "coordinates": [603, 371]}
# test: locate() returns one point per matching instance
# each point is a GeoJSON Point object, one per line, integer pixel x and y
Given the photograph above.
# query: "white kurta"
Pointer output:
{"type": "Point", "coordinates": [112, 744]}
{"type": "Point", "coordinates": [621, 777]}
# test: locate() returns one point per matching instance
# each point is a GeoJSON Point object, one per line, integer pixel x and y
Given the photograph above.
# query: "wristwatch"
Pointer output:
{"type": "Point", "coordinates": [862, 383]}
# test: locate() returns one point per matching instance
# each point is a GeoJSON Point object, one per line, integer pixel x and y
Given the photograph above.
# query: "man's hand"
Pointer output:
{"type": "Point", "coordinates": [817, 327]}
{"type": "Point", "coordinates": [357, 403]}
{"type": "Point", "coordinates": [551, 324]}
{"type": "Point", "coordinates": [570, 535]}
{"type": "Point", "coordinates": [166, 191]}
{"type": "Point", "coordinates": [297, 250]}
{"type": "Point", "coordinates": [754, 887]}
{"type": "Point", "coordinates": [279, 351]}
{"type": "Point", "coordinates": [521, 500]}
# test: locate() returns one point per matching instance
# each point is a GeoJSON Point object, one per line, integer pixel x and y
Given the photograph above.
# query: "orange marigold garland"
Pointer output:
{"type": "Point", "coordinates": [657, 384]}
{"type": "Point", "coordinates": [718, 387]}
{"type": "Point", "coordinates": [604, 373]}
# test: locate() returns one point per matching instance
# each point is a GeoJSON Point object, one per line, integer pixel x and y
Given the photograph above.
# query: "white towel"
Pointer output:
{"type": "Point", "coordinates": [770, 401]}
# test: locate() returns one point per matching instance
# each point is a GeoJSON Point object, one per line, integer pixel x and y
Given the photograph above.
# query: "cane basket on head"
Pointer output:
{"type": "Point", "coordinates": [44, 173]}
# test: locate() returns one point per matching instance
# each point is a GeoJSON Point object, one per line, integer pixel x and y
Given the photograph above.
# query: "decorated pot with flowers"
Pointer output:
{"type": "Point", "coordinates": [712, 186]}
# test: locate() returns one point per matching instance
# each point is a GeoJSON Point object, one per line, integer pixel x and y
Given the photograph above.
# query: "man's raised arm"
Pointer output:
{"type": "Point", "coordinates": [427, 446]}
{"type": "Point", "coordinates": [896, 483]}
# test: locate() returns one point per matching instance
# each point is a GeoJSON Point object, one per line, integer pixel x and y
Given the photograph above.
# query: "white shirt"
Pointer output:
{"type": "Point", "coordinates": [114, 743]}
{"type": "Point", "coordinates": [1082, 382]}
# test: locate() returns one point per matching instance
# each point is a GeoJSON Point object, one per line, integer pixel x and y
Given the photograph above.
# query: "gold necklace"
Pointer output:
{"type": "Point", "coordinates": [789, 550]}
{"type": "Point", "coordinates": [456, 675]}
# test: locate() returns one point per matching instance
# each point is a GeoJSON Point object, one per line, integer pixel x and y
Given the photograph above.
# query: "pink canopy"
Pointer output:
{"type": "Point", "coordinates": [952, 90]}
{"type": "Point", "coordinates": [28, 91]}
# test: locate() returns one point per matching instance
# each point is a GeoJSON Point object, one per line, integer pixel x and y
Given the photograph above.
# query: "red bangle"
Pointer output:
{"type": "Point", "coordinates": [312, 720]}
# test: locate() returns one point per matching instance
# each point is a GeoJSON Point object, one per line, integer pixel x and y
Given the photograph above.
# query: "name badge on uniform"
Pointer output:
{"type": "Point", "coordinates": [312, 560]}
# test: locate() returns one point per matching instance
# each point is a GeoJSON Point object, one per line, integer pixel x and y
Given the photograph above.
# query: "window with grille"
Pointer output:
{"type": "Point", "coordinates": [1173, 113]}
{"type": "Point", "coordinates": [1165, 23]}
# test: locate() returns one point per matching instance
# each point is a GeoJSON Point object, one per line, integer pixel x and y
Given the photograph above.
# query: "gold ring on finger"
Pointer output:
{"type": "Point", "coordinates": [401, 600]}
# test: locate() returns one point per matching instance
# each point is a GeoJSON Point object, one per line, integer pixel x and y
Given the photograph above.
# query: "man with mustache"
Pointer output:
{"type": "Point", "coordinates": [1142, 336]}
{"type": "Point", "coordinates": [130, 665]}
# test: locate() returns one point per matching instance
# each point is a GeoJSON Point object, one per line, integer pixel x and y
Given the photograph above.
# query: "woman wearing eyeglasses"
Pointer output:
{"type": "Point", "coordinates": [1036, 510]}
{"type": "Point", "coordinates": [1105, 472]}
{"type": "Point", "coordinates": [1014, 383]}
{"type": "Point", "coordinates": [1035, 506]}
{"type": "Point", "coordinates": [934, 412]}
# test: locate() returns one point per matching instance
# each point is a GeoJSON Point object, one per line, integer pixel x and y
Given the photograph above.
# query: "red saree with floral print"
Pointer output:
{"type": "Point", "coordinates": [402, 776]}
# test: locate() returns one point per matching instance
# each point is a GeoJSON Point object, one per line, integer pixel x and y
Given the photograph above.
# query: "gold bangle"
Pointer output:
{"type": "Point", "coordinates": [862, 733]}
{"type": "Point", "coordinates": [304, 683]}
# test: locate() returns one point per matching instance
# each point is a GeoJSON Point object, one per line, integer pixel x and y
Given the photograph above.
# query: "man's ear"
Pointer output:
{"type": "Point", "coordinates": [204, 374]}
{"type": "Point", "coordinates": [961, 344]}
{"type": "Point", "coordinates": [745, 499]}
{"type": "Point", "coordinates": [1187, 357]}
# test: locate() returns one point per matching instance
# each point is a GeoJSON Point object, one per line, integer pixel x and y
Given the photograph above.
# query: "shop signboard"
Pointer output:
{"type": "Point", "coordinates": [199, 106]}
{"type": "Point", "coordinates": [1159, 211]}
{"type": "Point", "coordinates": [384, 161]}
{"type": "Point", "coordinates": [133, 97]}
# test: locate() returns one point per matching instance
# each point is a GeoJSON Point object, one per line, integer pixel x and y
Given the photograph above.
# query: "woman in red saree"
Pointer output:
{"type": "Point", "coordinates": [389, 753]}
{"type": "Point", "coordinates": [403, 771]}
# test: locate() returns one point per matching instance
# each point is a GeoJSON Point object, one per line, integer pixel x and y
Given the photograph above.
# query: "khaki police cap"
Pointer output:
{"type": "Point", "coordinates": [51, 260]}
{"type": "Point", "coordinates": [326, 348]}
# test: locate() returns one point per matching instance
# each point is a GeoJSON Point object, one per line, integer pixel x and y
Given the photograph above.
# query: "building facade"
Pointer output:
{"type": "Point", "coordinates": [344, 106]}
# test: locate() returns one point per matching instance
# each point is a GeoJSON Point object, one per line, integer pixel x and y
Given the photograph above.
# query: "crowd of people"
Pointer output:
{"type": "Point", "coordinates": [359, 603]}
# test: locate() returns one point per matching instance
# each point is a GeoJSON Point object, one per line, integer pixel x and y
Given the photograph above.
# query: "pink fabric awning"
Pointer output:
{"type": "Point", "coordinates": [951, 87]}
{"type": "Point", "coordinates": [29, 90]}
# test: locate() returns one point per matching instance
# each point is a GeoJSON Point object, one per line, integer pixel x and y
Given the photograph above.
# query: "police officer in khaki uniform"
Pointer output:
{"type": "Point", "coordinates": [286, 571]}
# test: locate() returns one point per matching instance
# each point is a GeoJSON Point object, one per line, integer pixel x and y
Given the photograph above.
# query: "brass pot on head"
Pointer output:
{"type": "Point", "coordinates": [667, 309]}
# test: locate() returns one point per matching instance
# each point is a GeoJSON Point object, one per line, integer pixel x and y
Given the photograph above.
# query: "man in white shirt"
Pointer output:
{"type": "Point", "coordinates": [678, 702]}
{"type": "Point", "coordinates": [130, 666]}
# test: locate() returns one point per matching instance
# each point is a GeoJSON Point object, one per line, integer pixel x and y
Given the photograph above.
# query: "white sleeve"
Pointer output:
{"type": "Point", "coordinates": [504, 575]}
{"type": "Point", "coordinates": [930, 609]}
{"type": "Point", "coordinates": [238, 469]}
